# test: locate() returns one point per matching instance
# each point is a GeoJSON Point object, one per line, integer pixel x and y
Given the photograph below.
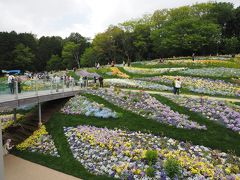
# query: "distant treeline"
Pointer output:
{"type": "Point", "coordinates": [206, 28]}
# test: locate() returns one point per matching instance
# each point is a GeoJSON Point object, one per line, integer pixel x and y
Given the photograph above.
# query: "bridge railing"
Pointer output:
{"type": "Point", "coordinates": [36, 85]}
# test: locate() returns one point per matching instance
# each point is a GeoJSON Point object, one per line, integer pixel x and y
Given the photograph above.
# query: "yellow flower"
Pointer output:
{"type": "Point", "coordinates": [228, 170]}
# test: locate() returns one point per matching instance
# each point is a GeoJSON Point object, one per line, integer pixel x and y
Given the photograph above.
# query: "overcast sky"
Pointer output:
{"type": "Point", "coordinates": [88, 17]}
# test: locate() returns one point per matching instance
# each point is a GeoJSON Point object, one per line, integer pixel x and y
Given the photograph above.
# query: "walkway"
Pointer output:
{"type": "Point", "coordinates": [13, 100]}
{"type": "Point", "coordinates": [189, 95]}
{"type": "Point", "coordinates": [20, 169]}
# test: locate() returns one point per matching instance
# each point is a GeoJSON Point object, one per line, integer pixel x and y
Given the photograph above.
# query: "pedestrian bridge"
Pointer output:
{"type": "Point", "coordinates": [35, 97]}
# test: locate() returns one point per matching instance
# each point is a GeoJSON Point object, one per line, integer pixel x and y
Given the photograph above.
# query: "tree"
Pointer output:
{"type": "Point", "coordinates": [23, 57]}
{"type": "Point", "coordinates": [55, 63]}
{"type": "Point", "coordinates": [89, 57]}
{"type": "Point", "coordinates": [71, 55]}
{"type": "Point", "coordinates": [48, 46]}
{"type": "Point", "coordinates": [231, 45]}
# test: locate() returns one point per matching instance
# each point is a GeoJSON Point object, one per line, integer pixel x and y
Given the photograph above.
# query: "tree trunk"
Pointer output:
{"type": "Point", "coordinates": [128, 61]}
{"type": "Point", "coordinates": [76, 57]}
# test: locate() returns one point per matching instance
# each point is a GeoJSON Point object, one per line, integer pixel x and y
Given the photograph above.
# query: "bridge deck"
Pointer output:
{"type": "Point", "coordinates": [13, 101]}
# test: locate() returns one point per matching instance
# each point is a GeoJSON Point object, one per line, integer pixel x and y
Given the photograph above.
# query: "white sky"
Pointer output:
{"type": "Point", "coordinates": [87, 17]}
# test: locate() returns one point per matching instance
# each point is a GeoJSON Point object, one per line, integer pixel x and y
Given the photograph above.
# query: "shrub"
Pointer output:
{"type": "Point", "coordinates": [150, 171]}
{"type": "Point", "coordinates": [151, 156]}
{"type": "Point", "coordinates": [172, 167]}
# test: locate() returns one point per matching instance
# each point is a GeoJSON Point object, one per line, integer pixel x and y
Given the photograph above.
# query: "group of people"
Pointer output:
{"type": "Point", "coordinates": [14, 84]}
{"type": "Point", "coordinates": [100, 79]}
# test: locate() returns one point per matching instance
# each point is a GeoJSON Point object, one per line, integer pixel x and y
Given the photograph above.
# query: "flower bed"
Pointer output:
{"type": "Point", "coordinates": [125, 155]}
{"type": "Point", "coordinates": [32, 85]}
{"type": "Point", "coordinates": [214, 72]}
{"type": "Point", "coordinates": [189, 62]}
{"type": "Point", "coordinates": [81, 105]}
{"type": "Point", "coordinates": [147, 106]}
{"type": "Point", "coordinates": [201, 85]}
{"type": "Point", "coordinates": [117, 72]}
{"type": "Point", "coordinates": [150, 71]}
{"type": "Point", "coordinates": [226, 114]}
{"type": "Point", "coordinates": [7, 120]}
{"type": "Point", "coordinates": [40, 142]}
{"type": "Point", "coordinates": [130, 83]}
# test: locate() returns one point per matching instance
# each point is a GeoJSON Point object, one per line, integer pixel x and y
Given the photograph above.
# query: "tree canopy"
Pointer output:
{"type": "Point", "coordinates": [203, 29]}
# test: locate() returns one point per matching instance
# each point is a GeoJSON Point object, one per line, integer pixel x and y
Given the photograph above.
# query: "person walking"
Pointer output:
{"type": "Point", "coordinates": [193, 56]}
{"type": "Point", "coordinates": [124, 63]}
{"type": "Point", "coordinates": [101, 81]}
{"type": "Point", "coordinates": [18, 81]}
{"type": "Point", "coordinates": [177, 85]}
{"type": "Point", "coordinates": [11, 83]}
{"type": "Point", "coordinates": [98, 65]}
{"type": "Point", "coordinates": [81, 81]}
{"type": "Point", "coordinates": [85, 81]}
{"type": "Point", "coordinates": [57, 81]}
{"type": "Point", "coordinates": [94, 79]}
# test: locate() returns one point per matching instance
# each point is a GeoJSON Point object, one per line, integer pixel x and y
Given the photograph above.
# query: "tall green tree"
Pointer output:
{"type": "Point", "coordinates": [89, 57]}
{"type": "Point", "coordinates": [23, 57]}
{"type": "Point", "coordinates": [231, 45]}
{"type": "Point", "coordinates": [48, 46]}
{"type": "Point", "coordinates": [71, 55]}
{"type": "Point", "coordinates": [55, 63]}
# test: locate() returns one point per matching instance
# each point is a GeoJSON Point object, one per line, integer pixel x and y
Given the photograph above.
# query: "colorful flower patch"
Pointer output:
{"type": "Point", "coordinates": [125, 155]}
{"type": "Point", "coordinates": [214, 72]}
{"type": "Point", "coordinates": [130, 83]}
{"type": "Point", "coordinates": [189, 62]}
{"type": "Point", "coordinates": [147, 106]}
{"type": "Point", "coordinates": [117, 72]}
{"type": "Point", "coordinates": [40, 142]}
{"type": "Point", "coordinates": [149, 71]}
{"type": "Point", "coordinates": [226, 114]}
{"type": "Point", "coordinates": [201, 85]}
{"type": "Point", "coordinates": [81, 105]}
{"type": "Point", "coordinates": [7, 120]}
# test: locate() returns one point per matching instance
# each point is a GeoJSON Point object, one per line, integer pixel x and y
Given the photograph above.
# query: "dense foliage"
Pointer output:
{"type": "Point", "coordinates": [203, 29]}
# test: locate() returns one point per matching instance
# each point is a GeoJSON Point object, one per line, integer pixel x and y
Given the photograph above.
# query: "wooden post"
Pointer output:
{"type": "Point", "coordinates": [1, 156]}
{"type": "Point", "coordinates": [39, 115]}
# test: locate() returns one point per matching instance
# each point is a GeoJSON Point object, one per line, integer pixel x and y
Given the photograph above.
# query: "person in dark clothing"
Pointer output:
{"type": "Point", "coordinates": [193, 56]}
{"type": "Point", "coordinates": [101, 81]}
{"type": "Point", "coordinates": [18, 80]}
{"type": "Point", "coordinates": [94, 79]}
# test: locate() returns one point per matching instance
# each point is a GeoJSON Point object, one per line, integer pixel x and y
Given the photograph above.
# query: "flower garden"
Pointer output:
{"type": "Point", "coordinates": [81, 105]}
{"type": "Point", "coordinates": [6, 120]}
{"type": "Point", "coordinates": [201, 85]}
{"type": "Point", "coordinates": [135, 128]}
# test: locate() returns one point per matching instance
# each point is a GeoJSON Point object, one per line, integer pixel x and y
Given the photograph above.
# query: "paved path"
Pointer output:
{"type": "Point", "coordinates": [30, 94]}
{"type": "Point", "coordinates": [20, 169]}
{"type": "Point", "coordinates": [189, 95]}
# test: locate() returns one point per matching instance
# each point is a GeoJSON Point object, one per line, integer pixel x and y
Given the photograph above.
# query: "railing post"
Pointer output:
{"type": "Point", "coordinates": [39, 115]}
{"type": "Point", "coordinates": [16, 89]}
{"type": "Point", "coordinates": [1, 155]}
{"type": "Point", "coordinates": [36, 88]}
{"type": "Point", "coordinates": [51, 86]}
{"type": "Point", "coordinates": [72, 84]}
{"type": "Point", "coordinates": [62, 85]}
